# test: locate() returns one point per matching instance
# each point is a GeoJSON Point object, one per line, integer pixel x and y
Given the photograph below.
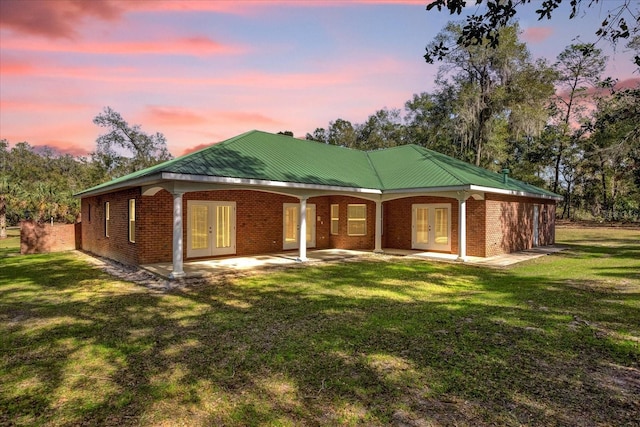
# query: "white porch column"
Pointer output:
{"type": "Point", "coordinates": [462, 227]}
{"type": "Point", "coordinates": [378, 243]}
{"type": "Point", "coordinates": [302, 230]}
{"type": "Point", "coordinates": [178, 270]}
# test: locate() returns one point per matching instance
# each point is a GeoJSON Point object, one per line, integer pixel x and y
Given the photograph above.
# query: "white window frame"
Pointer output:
{"type": "Point", "coordinates": [107, 218]}
{"type": "Point", "coordinates": [132, 220]}
{"type": "Point", "coordinates": [353, 220]}
{"type": "Point", "coordinates": [335, 219]}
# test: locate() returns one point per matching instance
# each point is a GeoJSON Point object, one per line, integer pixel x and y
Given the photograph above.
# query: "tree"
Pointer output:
{"type": "Point", "coordinates": [4, 186]}
{"type": "Point", "coordinates": [622, 22]}
{"type": "Point", "coordinates": [341, 132]}
{"type": "Point", "coordinates": [139, 150]}
{"type": "Point", "coordinates": [38, 183]}
{"type": "Point", "coordinates": [318, 135]}
{"type": "Point", "coordinates": [613, 154]}
{"type": "Point", "coordinates": [580, 67]}
{"type": "Point", "coordinates": [497, 91]}
{"type": "Point", "coordinates": [383, 129]}
{"type": "Point", "coordinates": [428, 120]}
{"type": "Point", "coordinates": [286, 133]}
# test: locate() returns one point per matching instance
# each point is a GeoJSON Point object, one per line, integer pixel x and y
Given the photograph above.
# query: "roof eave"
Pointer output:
{"type": "Point", "coordinates": [135, 182]}
{"type": "Point", "coordinates": [515, 193]}
{"type": "Point", "coordinates": [440, 189]}
{"type": "Point", "coordinates": [169, 176]}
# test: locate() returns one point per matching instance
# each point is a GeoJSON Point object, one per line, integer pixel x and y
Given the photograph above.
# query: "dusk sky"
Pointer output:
{"type": "Point", "coordinates": [204, 71]}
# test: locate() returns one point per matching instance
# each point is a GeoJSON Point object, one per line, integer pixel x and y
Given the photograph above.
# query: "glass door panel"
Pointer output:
{"type": "Point", "coordinates": [223, 226]}
{"type": "Point", "coordinates": [210, 228]}
{"type": "Point", "coordinates": [422, 226]}
{"type": "Point", "coordinates": [431, 227]}
{"type": "Point", "coordinates": [199, 227]}
{"type": "Point", "coordinates": [441, 226]}
{"type": "Point", "coordinates": [291, 226]}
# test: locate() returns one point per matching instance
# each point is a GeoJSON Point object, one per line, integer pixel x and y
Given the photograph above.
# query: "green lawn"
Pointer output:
{"type": "Point", "coordinates": [555, 341]}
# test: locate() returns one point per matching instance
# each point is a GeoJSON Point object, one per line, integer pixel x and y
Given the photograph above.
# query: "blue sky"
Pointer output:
{"type": "Point", "coordinates": [204, 71]}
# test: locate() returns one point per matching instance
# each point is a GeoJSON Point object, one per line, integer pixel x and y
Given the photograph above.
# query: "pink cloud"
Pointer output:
{"type": "Point", "coordinates": [537, 34]}
{"type": "Point", "coordinates": [183, 117]}
{"type": "Point", "coordinates": [173, 116]}
{"type": "Point", "coordinates": [195, 46]}
{"type": "Point", "coordinates": [62, 147]}
{"type": "Point", "coordinates": [55, 18]}
{"type": "Point", "coordinates": [10, 66]}
{"type": "Point", "coordinates": [22, 105]}
{"type": "Point", "coordinates": [196, 148]}
{"type": "Point", "coordinates": [62, 18]}
{"type": "Point", "coordinates": [67, 144]}
{"type": "Point", "coordinates": [629, 83]}
{"type": "Point", "coordinates": [249, 7]}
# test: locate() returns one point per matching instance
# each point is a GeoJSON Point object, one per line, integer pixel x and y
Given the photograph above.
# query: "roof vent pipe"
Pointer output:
{"type": "Point", "coordinates": [505, 175]}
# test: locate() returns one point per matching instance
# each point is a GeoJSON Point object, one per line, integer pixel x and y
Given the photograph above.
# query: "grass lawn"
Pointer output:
{"type": "Point", "coordinates": [555, 341]}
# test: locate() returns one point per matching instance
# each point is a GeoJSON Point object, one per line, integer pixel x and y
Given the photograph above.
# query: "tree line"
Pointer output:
{"type": "Point", "coordinates": [563, 126]}
{"type": "Point", "coordinates": [39, 184]}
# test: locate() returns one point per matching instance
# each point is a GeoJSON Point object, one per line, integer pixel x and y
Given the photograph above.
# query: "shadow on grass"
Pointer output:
{"type": "Point", "coordinates": [356, 342]}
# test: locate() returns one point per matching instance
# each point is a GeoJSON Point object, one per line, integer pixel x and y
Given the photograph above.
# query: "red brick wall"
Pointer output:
{"type": "Point", "coordinates": [259, 217]}
{"type": "Point", "coordinates": [342, 240]}
{"type": "Point", "coordinates": [117, 245]}
{"type": "Point", "coordinates": [42, 238]}
{"type": "Point", "coordinates": [509, 223]}
{"type": "Point", "coordinates": [476, 227]}
{"type": "Point", "coordinates": [547, 233]}
{"type": "Point", "coordinates": [397, 221]}
{"type": "Point", "coordinates": [323, 221]}
{"type": "Point", "coordinates": [155, 227]}
{"type": "Point", "coordinates": [496, 225]}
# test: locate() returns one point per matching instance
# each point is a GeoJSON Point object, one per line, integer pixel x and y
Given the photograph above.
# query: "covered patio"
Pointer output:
{"type": "Point", "coordinates": [213, 267]}
{"type": "Point", "coordinates": [261, 193]}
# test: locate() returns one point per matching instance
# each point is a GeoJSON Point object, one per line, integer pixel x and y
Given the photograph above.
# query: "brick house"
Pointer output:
{"type": "Point", "coordinates": [262, 193]}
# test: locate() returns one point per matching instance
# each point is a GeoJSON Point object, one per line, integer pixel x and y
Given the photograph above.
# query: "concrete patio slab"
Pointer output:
{"type": "Point", "coordinates": [503, 260]}
{"type": "Point", "coordinates": [218, 266]}
{"type": "Point", "coordinates": [213, 267]}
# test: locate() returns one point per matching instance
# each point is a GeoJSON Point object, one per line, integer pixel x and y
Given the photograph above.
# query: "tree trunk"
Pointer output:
{"type": "Point", "coordinates": [614, 196]}
{"type": "Point", "coordinates": [605, 200]}
{"type": "Point", "coordinates": [3, 218]}
{"type": "Point", "coordinates": [569, 200]}
{"type": "Point", "coordinates": [556, 178]}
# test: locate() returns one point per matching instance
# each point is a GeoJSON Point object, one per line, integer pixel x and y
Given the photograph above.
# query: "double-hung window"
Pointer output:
{"type": "Point", "coordinates": [335, 219]}
{"type": "Point", "coordinates": [132, 220]}
{"type": "Point", "coordinates": [357, 220]}
{"type": "Point", "coordinates": [107, 219]}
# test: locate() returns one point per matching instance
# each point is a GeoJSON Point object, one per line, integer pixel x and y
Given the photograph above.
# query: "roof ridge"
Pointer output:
{"type": "Point", "coordinates": [375, 171]}
{"type": "Point", "coordinates": [215, 144]}
{"type": "Point", "coordinates": [435, 160]}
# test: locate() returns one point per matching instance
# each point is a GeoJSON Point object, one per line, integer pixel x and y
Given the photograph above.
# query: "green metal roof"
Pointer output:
{"type": "Point", "coordinates": [412, 166]}
{"type": "Point", "coordinates": [270, 157]}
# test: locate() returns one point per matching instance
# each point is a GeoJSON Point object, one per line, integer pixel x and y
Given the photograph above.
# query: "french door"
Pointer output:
{"type": "Point", "coordinates": [291, 225]}
{"type": "Point", "coordinates": [211, 228]}
{"type": "Point", "coordinates": [431, 227]}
